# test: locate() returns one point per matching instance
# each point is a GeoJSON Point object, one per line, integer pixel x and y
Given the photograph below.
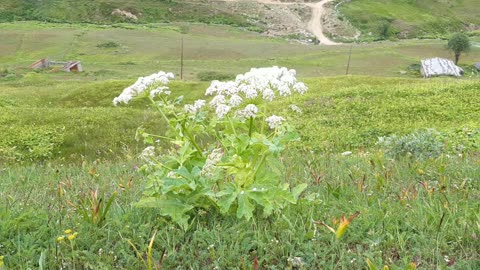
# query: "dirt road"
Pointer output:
{"type": "Point", "coordinates": [314, 25]}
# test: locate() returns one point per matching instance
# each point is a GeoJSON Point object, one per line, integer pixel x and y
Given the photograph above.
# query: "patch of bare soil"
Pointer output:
{"type": "Point", "coordinates": [304, 20]}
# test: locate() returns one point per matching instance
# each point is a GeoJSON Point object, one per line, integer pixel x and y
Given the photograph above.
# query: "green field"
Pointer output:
{"type": "Point", "coordinates": [68, 156]}
{"type": "Point", "coordinates": [140, 50]}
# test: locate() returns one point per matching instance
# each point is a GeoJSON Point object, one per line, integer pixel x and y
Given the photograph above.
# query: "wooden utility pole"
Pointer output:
{"type": "Point", "coordinates": [181, 62]}
{"type": "Point", "coordinates": [349, 57]}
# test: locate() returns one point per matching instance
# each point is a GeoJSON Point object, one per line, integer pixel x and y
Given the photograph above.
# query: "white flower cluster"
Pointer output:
{"type": "Point", "coordinates": [195, 107]}
{"type": "Point", "coordinates": [210, 164]}
{"type": "Point", "coordinates": [143, 84]}
{"type": "Point", "coordinates": [258, 82]}
{"type": "Point", "coordinates": [148, 153]}
{"type": "Point", "coordinates": [274, 121]}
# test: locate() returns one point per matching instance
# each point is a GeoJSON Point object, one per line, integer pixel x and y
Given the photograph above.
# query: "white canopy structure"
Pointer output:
{"type": "Point", "coordinates": [438, 67]}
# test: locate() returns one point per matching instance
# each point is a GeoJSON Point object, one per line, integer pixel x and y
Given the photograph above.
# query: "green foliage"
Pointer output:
{"type": "Point", "coordinates": [214, 75]}
{"type": "Point", "coordinates": [426, 18]}
{"type": "Point", "coordinates": [458, 44]}
{"type": "Point", "coordinates": [352, 113]}
{"type": "Point", "coordinates": [420, 144]}
{"type": "Point", "coordinates": [102, 12]}
{"type": "Point", "coordinates": [108, 44]}
{"type": "Point", "coordinates": [406, 225]}
{"type": "Point", "coordinates": [33, 143]}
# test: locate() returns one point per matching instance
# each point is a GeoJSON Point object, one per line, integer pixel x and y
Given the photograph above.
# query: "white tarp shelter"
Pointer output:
{"type": "Point", "coordinates": [438, 67]}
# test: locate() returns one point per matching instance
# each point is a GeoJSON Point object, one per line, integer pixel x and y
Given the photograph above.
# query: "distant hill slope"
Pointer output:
{"type": "Point", "coordinates": [376, 19]}
{"type": "Point", "coordinates": [113, 11]}
{"type": "Point", "coordinates": [411, 18]}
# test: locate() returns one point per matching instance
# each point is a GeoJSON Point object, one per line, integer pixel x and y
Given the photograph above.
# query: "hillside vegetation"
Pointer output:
{"type": "Point", "coordinates": [410, 18]}
{"type": "Point", "coordinates": [144, 11]}
{"type": "Point", "coordinates": [377, 19]}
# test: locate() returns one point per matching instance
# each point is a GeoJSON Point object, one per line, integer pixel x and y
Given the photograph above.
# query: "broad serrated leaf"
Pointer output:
{"type": "Point", "coordinates": [296, 191]}
{"type": "Point", "coordinates": [176, 185]}
{"type": "Point", "coordinates": [173, 208]}
{"type": "Point", "coordinates": [245, 207]}
{"type": "Point", "coordinates": [227, 198]}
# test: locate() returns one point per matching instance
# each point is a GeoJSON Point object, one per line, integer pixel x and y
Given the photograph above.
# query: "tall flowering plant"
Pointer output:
{"type": "Point", "coordinates": [224, 153]}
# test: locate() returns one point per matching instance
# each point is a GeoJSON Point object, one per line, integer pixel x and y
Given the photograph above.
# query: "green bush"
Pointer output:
{"type": "Point", "coordinates": [214, 75]}
{"type": "Point", "coordinates": [108, 44]}
{"type": "Point", "coordinates": [30, 143]}
{"type": "Point", "coordinates": [429, 143]}
{"type": "Point", "coordinates": [421, 144]}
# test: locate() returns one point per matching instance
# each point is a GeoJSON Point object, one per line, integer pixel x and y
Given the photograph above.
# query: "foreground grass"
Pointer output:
{"type": "Point", "coordinates": [423, 212]}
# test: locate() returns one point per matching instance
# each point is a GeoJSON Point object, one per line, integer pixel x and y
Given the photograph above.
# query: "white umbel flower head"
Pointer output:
{"type": "Point", "coordinates": [222, 110]}
{"type": "Point", "coordinates": [195, 107]}
{"type": "Point", "coordinates": [250, 111]}
{"type": "Point", "coordinates": [295, 108]}
{"type": "Point", "coordinates": [235, 100]}
{"type": "Point", "coordinates": [143, 84]}
{"type": "Point", "coordinates": [274, 121]}
{"type": "Point", "coordinates": [266, 83]}
{"type": "Point", "coordinates": [210, 164]}
{"type": "Point", "coordinates": [148, 153]}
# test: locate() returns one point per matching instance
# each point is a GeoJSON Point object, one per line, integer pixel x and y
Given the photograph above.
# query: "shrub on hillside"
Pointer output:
{"type": "Point", "coordinates": [421, 144]}
{"type": "Point", "coordinates": [207, 76]}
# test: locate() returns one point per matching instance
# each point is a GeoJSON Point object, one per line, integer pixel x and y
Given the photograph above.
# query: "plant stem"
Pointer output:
{"type": "Point", "coordinates": [192, 139]}
{"type": "Point", "coordinates": [250, 129]}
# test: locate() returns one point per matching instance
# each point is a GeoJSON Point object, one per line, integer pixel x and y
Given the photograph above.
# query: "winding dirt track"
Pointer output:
{"type": "Point", "coordinates": [314, 25]}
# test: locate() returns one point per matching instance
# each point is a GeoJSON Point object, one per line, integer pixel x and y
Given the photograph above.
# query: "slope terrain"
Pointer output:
{"type": "Point", "coordinates": [294, 19]}
{"type": "Point", "coordinates": [408, 19]}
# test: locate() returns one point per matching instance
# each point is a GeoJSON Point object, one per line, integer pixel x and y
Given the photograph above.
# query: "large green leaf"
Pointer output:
{"type": "Point", "coordinates": [245, 206]}
{"type": "Point", "coordinates": [227, 197]}
{"type": "Point", "coordinates": [173, 208]}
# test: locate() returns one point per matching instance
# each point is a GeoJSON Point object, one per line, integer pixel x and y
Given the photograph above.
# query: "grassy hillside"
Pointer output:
{"type": "Point", "coordinates": [67, 120]}
{"type": "Point", "coordinates": [145, 11]}
{"type": "Point", "coordinates": [408, 18]}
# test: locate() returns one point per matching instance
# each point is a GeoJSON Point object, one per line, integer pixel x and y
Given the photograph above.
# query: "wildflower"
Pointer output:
{"type": "Point", "coordinates": [222, 110]}
{"type": "Point", "coordinates": [295, 108]}
{"type": "Point", "coordinates": [300, 88]}
{"type": "Point", "coordinates": [250, 111]}
{"type": "Point", "coordinates": [235, 100]}
{"type": "Point", "coordinates": [268, 94]}
{"type": "Point", "coordinates": [160, 90]}
{"type": "Point", "coordinates": [217, 100]}
{"type": "Point", "coordinates": [210, 164]}
{"type": "Point", "coordinates": [274, 121]}
{"type": "Point", "coordinates": [68, 231]}
{"type": "Point", "coordinates": [346, 153]}
{"type": "Point", "coordinates": [148, 152]}
{"type": "Point", "coordinates": [342, 228]}
{"type": "Point", "coordinates": [143, 84]}
{"type": "Point", "coordinates": [72, 236]}
{"type": "Point", "coordinates": [250, 92]}
{"type": "Point", "coordinates": [197, 105]}
{"type": "Point", "coordinates": [60, 238]}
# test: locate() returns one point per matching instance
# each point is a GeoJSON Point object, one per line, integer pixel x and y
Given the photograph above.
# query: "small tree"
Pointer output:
{"type": "Point", "coordinates": [458, 44]}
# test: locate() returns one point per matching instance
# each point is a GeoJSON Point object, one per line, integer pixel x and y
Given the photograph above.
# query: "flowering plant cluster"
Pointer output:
{"type": "Point", "coordinates": [224, 153]}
